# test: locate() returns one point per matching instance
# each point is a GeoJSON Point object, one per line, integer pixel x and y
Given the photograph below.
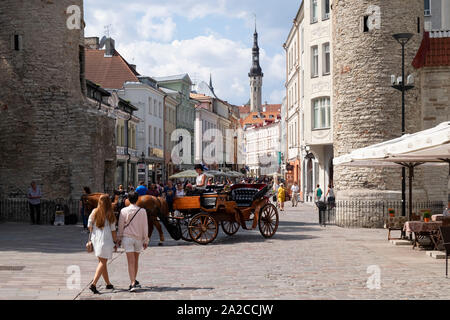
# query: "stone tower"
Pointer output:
{"type": "Point", "coordinates": [366, 109]}
{"type": "Point", "coordinates": [256, 77]}
{"type": "Point", "coordinates": [49, 132]}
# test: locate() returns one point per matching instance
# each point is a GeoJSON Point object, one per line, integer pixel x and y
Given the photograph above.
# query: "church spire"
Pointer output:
{"type": "Point", "coordinates": [210, 83]}
{"type": "Point", "coordinates": [256, 68]}
{"type": "Point", "coordinates": [256, 76]}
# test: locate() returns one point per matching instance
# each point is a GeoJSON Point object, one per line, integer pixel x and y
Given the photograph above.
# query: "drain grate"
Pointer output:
{"type": "Point", "coordinates": [12, 268]}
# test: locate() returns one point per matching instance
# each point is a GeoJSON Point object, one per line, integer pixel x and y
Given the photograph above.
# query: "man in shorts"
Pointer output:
{"type": "Point", "coordinates": [133, 236]}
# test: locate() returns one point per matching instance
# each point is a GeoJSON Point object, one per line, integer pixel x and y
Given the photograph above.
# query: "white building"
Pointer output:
{"type": "Point", "coordinates": [309, 95]}
{"type": "Point", "coordinates": [146, 96]}
{"type": "Point", "coordinates": [262, 148]}
{"type": "Point", "coordinates": [212, 114]}
{"type": "Point", "coordinates": [437, 15]}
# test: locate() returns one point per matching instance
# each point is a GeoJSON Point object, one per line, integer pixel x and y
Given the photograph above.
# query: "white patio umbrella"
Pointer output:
{"type": "Point", "coordinates": [188, 174]}
{"type": "Point", "coordinates": [428, 147]}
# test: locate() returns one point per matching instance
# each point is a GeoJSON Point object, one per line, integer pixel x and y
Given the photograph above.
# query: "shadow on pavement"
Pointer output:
{"type": "Point", "coordinates": [23, 237]}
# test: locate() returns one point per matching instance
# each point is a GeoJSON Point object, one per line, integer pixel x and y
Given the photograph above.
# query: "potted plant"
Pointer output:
{"type": "Point", "coordinates": [391, 212]}
{"type": "Point", "coordinates": [426, 216]}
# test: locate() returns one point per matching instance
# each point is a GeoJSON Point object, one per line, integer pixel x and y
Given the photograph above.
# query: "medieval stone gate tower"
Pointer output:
{"type": "Point", "coordinates": [366, 109]}
{"type": "Point", "coordinates": [48, 131]}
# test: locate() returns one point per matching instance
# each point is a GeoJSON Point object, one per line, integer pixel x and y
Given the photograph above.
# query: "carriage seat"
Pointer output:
{"type": "Point", "coordinates": [244, 196]}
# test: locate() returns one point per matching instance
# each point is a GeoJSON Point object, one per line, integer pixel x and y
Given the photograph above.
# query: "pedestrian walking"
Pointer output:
{"type": "Point", "coordinates": [34, 200]}
{"type": "Point", "coordinates": [281, 196]}
{"type": "Point", "coordinates": [318, 194]}
{"type": "Point", "coordinates": [275, 188]}
{"type": "Point", "coordinates": [142, 189]}
{"type": "Point", "coordinates": [331, 199]}
{"type": "Point", "coordinates": [83, 211]}
{"type": "Point", "coordinates": [133, 236]}
{"type": "Point", "coordinates": [153, 191]}
{"type": "Point", "coordinates": [102, 225]}
{"type": "Point", "coordinates": [169, 193]}
{"type": "Point", "coordinates": [294, 191]}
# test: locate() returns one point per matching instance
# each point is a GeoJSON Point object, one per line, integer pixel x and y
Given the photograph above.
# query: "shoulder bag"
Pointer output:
{"type": "Point", "coordinates": [89, 245]}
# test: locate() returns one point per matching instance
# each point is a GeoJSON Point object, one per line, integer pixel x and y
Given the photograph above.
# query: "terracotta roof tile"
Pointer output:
{"type": "Point", "coordinates": [250, 120]}
{"type": "Point", "coordinates": [433, 52]}
{"type": "Point", "coordinates": [439, 53]}
{"type": "Point", "coordinates": [108, 72]}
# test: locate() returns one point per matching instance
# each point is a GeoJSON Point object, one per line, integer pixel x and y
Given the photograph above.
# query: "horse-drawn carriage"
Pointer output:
{"type": "Point", "coordinates": [198, 216]}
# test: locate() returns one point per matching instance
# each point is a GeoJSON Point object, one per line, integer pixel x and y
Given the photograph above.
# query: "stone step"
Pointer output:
{"type": "Point", "coordinates": [436, 254]}
{"type": "Point", "coordinates": [401, 242]}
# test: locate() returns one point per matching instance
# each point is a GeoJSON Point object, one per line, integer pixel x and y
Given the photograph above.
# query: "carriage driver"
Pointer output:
{"type": "Point", "coordinates": [200, 181]}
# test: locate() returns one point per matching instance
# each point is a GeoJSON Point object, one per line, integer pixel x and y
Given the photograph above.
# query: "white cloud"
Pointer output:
{"type": "Point", "coordinates": [145, 33]}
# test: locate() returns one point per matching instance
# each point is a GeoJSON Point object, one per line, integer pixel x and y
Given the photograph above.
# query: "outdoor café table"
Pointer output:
{"type": "Point", "coordinates": [421, 230]}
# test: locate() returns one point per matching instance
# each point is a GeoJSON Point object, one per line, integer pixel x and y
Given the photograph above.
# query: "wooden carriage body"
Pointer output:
{"type": "Point", "coordinates": [245, 202]}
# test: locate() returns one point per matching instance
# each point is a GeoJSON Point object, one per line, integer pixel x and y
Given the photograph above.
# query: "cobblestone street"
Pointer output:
{"type": "Point", "coordinates": [302, 261]}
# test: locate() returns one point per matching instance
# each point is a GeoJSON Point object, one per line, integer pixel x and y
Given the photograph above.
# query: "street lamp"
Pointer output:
{"type": "Point", "coordinates": [141, 167]}
{"type": "Point", "coordinates": [402, 39]}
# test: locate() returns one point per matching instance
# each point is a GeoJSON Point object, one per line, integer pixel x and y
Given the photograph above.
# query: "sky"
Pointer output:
{"type": "Point", "coordinates": [200, 37]}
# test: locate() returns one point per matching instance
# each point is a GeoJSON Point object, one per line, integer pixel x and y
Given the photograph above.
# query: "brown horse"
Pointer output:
{"type": "Point", "coordinates": [153, 206]}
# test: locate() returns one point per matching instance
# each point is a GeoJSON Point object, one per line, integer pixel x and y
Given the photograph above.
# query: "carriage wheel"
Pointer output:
{"type": "Point", "coordinates": [230, 227]}
{"type": "Point", "coordinates": [268, 221]}
{"type": "Point", "coordinates": [203, 228]}
{"type": "Point", "coordinates": [184, 225]}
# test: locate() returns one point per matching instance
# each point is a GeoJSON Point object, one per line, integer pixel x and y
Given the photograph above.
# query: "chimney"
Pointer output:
{"type": "Point", "coordinates": [110, 47]}
{"type": "Point", "coordinates": [133, 66]}
{"type": "Point", "coordinates": [91, 43]}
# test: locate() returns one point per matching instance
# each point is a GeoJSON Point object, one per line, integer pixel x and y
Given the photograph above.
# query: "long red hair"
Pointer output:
{"type": "Point", "coordinates": [104, 211]}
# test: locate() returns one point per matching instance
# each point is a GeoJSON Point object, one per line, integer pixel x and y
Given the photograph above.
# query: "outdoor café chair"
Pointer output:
{"type": "Point", "coordinates": [436, 235]}
{"type": "Point", "coordinates": [445, 235]}
{"type": "Point", "coordinates": [395, 223]}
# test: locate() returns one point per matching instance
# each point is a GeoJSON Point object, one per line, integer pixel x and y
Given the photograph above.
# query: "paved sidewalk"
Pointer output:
{"type": "Point", "coordinates": [302, 261]}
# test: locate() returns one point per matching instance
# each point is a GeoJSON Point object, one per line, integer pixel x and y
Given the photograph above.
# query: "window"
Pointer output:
{"type": "Point", "coordinates": [160, 110]}
{"type": "Point", "coordinates": [160, 138]}
{"type": "Point", "coordinates": [321, 113]}
{"type": "Point", "coordinates": [302, 84]}
{"type": "Point", "coordinates": [149, 134]}
{"type": "Point", "coordinates": [302, 43]}
{"type": "Point", "coordinates": [17, 43]}
{"type": "Point", "coordinates": [314, 9]}
{"type": "Point", "coordinates": [326, 9]}
{"type": "Point", "coordinates": [150, 106]}
{"type": "Point", "coordinates": [427, 5]}
{"type": "Point", "coordinates": [366, 24]}
{"type": "Point", "coordinates": [154, 136]}
{"type": "Point", "coordinates": [314, 61]}
{"type": "Point", "coordinates": [326, 58]}
{"type": "Point", "coordinates": [155, 110]}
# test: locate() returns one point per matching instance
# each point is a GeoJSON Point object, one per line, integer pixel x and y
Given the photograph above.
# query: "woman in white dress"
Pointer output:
{"type": "Point", "coordinates": [102, 225]}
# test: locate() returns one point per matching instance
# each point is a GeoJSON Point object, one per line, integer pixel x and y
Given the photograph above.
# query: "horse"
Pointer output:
{"type": "Point", "coordinates": [154, 206]}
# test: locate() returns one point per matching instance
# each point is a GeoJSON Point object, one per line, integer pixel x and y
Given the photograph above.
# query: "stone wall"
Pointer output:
{"type": "Point", "coordinates": [367, 110]}
{"type": "Point", "coordinates": [48, 130]}
{"type": "Point", "coordinates": [435, 84]}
